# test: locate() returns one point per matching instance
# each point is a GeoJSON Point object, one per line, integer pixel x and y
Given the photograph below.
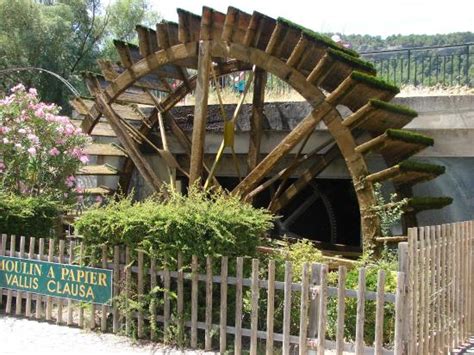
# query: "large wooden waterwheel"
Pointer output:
{"type": "Point", "coordinates": [134, 98]}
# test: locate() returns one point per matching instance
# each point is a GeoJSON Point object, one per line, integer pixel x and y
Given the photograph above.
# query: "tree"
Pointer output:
{"type": "Point", "coordinates": [65, 37]}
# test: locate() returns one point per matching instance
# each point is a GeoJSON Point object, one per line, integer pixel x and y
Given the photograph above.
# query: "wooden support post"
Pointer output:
{"type": "Point", "coordinates": [256, 120]}
{"type": "Point", "coordinates": [283, 148]}
{"type": "Point", "coordinates": [134, 153]}
{"type": "Point", "coordinates": [200, 111]}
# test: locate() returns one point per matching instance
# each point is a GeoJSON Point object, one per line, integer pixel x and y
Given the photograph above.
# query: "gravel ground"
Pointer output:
{"type": "Point", "coordinates": [21, 336]}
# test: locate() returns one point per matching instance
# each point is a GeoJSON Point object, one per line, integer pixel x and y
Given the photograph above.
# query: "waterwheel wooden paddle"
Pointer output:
{"type": "Point", "coordinates": [134, 98]}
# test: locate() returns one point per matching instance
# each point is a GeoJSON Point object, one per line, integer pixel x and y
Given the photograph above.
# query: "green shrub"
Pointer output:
{"type": "Point", "coordinates": [202, 224]}
{"type": "Point", "coordinates": [304, 251]}
{"type": "Point", "coordinates": [388, 263]}
{"type": "Point", "coordinates": [28, 216]}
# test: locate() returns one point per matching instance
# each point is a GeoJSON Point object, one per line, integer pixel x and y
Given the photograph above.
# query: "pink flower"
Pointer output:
{"type": "Point", "coordinates": [69, 130]}
{"type": "Point", "coordinates": [2, 167]}
{"type": "Point", "coordinates": [84, 159]}
{"type": "Point", "coordinates": [99, 199]}
{"type": "Point", "coordinates": [33, 138]}
{"type": "Point", "coordinates": [54, 152]}
{"type": "Point", "coordinates": [32, 151]}
{"type": "Point", "coordinates": [19, 87]}
{"type": "Point", "coordinates": [33, 92]}
{"type": "Point", "coordinates": [4, 129]}
{"type": "Point", "coordinates": [50, 117]}
{"type": "Point", "coordinates": [22, 131]}
{"type": "Point", "coordinates": [39, 112]}
{"type": "Point", "coordinates": [70, 180]}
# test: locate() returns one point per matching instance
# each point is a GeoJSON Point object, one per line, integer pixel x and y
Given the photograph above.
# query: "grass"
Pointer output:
{"type": "Point", "coordinates": [398, 109]}
{"type": "Point", "coordinates": [429, 203]}
{"type": "Point", "coordinates": [413, 165]}
{"type": "Point", "coordinates": [409, 136]}
{"type": "Point", "coordinates": [317, 37]}
{"type": "Point", "coordinates": [374, 82]}
{"type": "Point", "coordinates": [354, 62]}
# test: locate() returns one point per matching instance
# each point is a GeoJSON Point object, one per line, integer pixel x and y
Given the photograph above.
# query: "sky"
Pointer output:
{"type": "Point", "coordinates": [374, 17]}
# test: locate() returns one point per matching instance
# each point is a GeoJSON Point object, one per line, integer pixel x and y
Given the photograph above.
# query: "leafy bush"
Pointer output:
{"type": "Point", "coordinates": [388, 263]}
{"type": "Point", "coordinates": [203, 224]}
{"type": "Point", "coordinates": [28, 216]}
{"type": "Point", "coordinates": [304, 251]}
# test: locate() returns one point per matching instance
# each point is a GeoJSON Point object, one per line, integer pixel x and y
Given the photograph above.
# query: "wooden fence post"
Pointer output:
{"type": "Point", "coordinates": [341, 309]}
{"type": "Point", "coordinates": [304, 309]}
{"type": "Point", "coordinates": [3, 248]}
{"type": "Point", "coordinates": [223, 312]}
{"type": "Point", "coordinates": [360, 318]}
{"type": "Point", "coordinates": [403, 266]}
{"type": "Point", "coordinates": [270, 306]}
{"type": "Point", "coordinates": [287, 308]}
{"type": "Point", "coordinates": [322, 324]}
{"type": "Point", "coordinates": [400, 313]}
{"type": "Point", "coordinates": [8, 307]}
{"type": "Point", "coordinates": [18, 293]}
{"type": "Point", "coordinates": [194, 300]}
{"type": "Point", "coordinates": [115, 311]}
{"type": "Point", "coordinates": [314, 305]}
{"type": "Point", "coordinates": [31, 255]}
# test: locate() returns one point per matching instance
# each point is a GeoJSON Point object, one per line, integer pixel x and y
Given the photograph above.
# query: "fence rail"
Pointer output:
{"type": "Point", "coordinates": [418, 66]}
{"type": "Point", "coordinates": [425, 66]}
{"type": "Point", "coordinates": [242, 305]}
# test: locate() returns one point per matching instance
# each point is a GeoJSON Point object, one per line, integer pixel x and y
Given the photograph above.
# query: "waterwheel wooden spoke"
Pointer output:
{"type": "Point", "coordinates": [136, 98]}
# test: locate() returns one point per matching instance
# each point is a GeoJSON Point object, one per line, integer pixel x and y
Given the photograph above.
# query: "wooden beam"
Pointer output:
{"type": "Point", "coordinates": [127, 142]}
{"type": "Point", "coordinates": [256, 120]}
{"type": "Point", "coordinates": [200, 111]}
{"type": "Point", "coordinates": [284, 147]}
{"type": "Point", "coordinates": [320, 163]}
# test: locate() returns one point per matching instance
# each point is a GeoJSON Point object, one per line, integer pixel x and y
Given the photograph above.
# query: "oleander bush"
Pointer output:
{"type": "Point", "coordinates": [40, 150]}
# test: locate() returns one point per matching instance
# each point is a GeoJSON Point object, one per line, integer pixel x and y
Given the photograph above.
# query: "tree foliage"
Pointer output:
{"type": "Point", "coordinates": [63, 36]}
{"type": "Point", "coordinates": [365, 43]}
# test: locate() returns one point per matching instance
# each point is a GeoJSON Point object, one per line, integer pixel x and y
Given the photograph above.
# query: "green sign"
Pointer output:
{"type": "Point", "coordinates": [75, 282]}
